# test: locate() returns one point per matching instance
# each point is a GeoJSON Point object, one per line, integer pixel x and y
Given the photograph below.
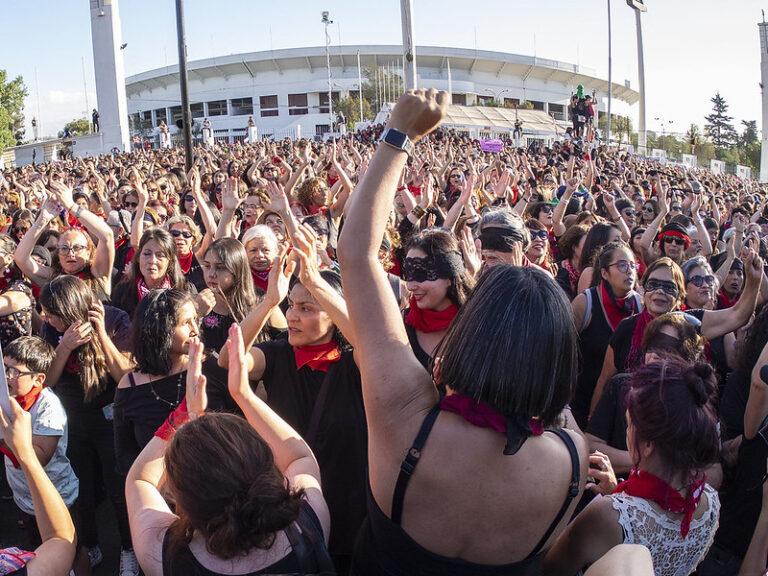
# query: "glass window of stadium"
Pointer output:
{"type": "Point", "coordinates": [297, 104]}
{"type": "Point", "coordinates": [241, 106]}
{"type": "Point", "coordinates": [217, 108]}
{"type": "Point", "coordinates": [268, 105]}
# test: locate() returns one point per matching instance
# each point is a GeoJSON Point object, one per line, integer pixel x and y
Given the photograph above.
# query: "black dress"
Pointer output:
{"type": "Point", "coordinates": [338, 435]}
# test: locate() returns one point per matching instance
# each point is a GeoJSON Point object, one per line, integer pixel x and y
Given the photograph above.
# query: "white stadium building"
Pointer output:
{"type": "Point", "coordinates": [286, 91]}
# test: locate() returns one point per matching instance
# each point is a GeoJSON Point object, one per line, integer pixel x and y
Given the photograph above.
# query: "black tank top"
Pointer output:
{"type": "Point", "coordinates": [308, 552]}
{"type": "Point", "coordinates": [383, 548]}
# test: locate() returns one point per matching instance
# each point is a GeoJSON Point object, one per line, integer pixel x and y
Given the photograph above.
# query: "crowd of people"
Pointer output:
{"type": "Point", "coordinates": [388, 353]}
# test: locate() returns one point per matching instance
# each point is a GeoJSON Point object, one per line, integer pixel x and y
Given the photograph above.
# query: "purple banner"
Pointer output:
{"type": "Point", "coordinates": [494, 145]}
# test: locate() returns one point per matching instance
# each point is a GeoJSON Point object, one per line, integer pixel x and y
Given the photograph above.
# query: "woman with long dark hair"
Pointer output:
{"type": "Point", "coordinates": [90, 341]}
{"type": "Point", "coordinates": [154, 267]}
{"type": "Point", "coordinates": [599, 235]}
{"type": "Point", "coordinates": [259, 509]}
{"type": "Point", "coordinates": [597, 312]}
{"type": "Point", "coordinates": [16, 299]}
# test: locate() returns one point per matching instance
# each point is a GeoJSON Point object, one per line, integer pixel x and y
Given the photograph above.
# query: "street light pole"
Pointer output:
{"type": "Point", "coordinates": [610, 80]}
{"type": "Point", "coordinates": [326, 21]}
{"type": "Point", "coordinates": [638, 6]}
{"type": "Point", "coordinates": [186, 113]}
{"type": "Point", "coordinates": [360, 86]}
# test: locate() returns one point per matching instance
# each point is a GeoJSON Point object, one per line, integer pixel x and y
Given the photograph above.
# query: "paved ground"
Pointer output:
{"type": "Point", "coordinates": [12, 535]}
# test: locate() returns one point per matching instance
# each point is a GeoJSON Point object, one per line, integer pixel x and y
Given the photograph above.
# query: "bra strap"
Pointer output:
{"type": "Point", "coordinates": [409, 463]}
{"type": "Point", "coordinates": [573, 488]}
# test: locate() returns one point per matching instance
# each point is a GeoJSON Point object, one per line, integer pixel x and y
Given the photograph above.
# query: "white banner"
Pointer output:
{"type": "Point", "coordinates": [690, 160]}
{"type": "Point", "coordinates": [743, 172]}
{"type": "Point", "coordinates": [717, 166]}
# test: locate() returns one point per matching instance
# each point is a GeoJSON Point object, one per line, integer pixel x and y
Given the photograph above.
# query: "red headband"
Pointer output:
{"type": "Point", "coordinates": [678, 235]}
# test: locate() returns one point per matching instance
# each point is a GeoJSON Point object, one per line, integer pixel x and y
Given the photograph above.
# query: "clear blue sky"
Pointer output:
{"type": "Point", "coordinates": [692, 48]}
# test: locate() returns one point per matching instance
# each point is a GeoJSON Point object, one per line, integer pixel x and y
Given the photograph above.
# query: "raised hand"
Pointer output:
{"type": "Point", "coordinates": [418, 112]}
{"type": "Point", "coordinates": [279, 278]}
{"type": "Point", "coordinates": [76, 335]}
{"type": "Point", "coordinates": [305, 246]}
{"type": "Point", "coordinates": [237, 380]}
{"type": "Point", "coordinates": [197, 397]}
{"type": "Point", "coordinates": [278, 201]}
{"type": "Point", "coordinates": [472, 260]}
{"type": "Point", "coordinates": [230, 197]}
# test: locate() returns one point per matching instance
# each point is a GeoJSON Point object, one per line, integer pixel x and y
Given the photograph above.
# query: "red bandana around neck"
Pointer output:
{"type": "Point", "coordinates": [636, 350]}
{"type": "Point", "coordinates": [261, 278]}
{"type": "Point", "coordinates": [143, 289]}
{"type": "Point", "coordinates": [482, 415]}
{"type": "Point", "coordinates": [724, 301]}
{"type": "Point", "coordinates": [318, 357]}
{"type": "Point", "coordinates": [573, 273]}
{"type": "Point", "coordinates": [645, 485]}
{"type": "Point", "coordinates": [185, 262]}
{"type": "Point", "coordinates": [623, 308]}
{"type": "Point", "coordinates": [430, 320]}
{"type": "Point", "coordinates": [26, 402]}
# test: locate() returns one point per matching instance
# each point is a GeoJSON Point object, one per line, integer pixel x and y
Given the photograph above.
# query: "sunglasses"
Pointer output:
{"type": "Point", "coordinates": [76, 249]}
{"type": "Point", "coordinates": [648, 209]}
{"type": "Point", "coordinates": [543, 234]}
{"type": "Point", "coordinates": [189, 198]}
{"type": "Point", "coordinates": [669, 288]}
{"type": "Point", "coordinates": [624, 266]}
{"type": "Point", "coordinates": [630, 212]}
{"type": "Point", "coordinates": [130, 204]}
{"type": "Point", "coordinates": [676, 209]}
{"type": "Point", "coordinates": [698, 280]}
{"type": "Point", "coordinates": [672, 239]}
{"type": "Point", "coordinates": [183, 233]}
{"type": "Point", "coordinates": [547, 209]}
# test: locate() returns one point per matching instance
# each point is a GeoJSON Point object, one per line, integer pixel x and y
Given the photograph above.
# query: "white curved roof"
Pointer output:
{"type": "Point", "coordinates": [429, 59]}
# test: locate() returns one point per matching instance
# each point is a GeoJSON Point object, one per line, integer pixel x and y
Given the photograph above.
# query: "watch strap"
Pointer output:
{"type": "Point", "coordinates": [398, 139]}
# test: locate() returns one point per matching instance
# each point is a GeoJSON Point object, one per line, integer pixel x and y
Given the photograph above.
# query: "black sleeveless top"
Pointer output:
{"type": "Point", "coordinates": [383, 548]}
{"type": "Point", "coordinates": [593, 342]}
{"type": "Point", "coordinates": [308, 553]}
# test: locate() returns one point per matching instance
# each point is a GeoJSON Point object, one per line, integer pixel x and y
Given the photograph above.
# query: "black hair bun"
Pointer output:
{"type": "Point", "coordinates": [702, 383]}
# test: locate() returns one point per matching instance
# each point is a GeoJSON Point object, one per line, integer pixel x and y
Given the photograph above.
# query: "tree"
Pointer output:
{"type": "Point", "coordinates": [12, 96]}
{"type": "Point", "coordinates": [750, 133]}
{"type": "Point", "coordinates": [719, 127]}
{"type": "Point", "coordinates": [375, 81]}
{"type": "Point", "coordinates": [350, 107]}
{"type": "Point", "coordinates": [76, 127]}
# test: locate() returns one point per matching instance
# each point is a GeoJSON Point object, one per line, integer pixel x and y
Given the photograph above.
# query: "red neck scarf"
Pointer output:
{"type": "Point", "coordinates": [573, 274]}
{"type": "Point", "coordinates": [143, 289]}
{"type": "Point", "coordinates": [636, 350]}
{"type": "Point", "coordinates": [185, 262]}
{"type": "Point", "coordinates": [645, 485]}
{"type": "Point", "coordinates": [5, 278]}
{"type": "Point", "coordinates": [316, 209]}
{"type": "Point", "coordinates": [318, 357]}
{"type": "Point", "coordinates": [261, 278]}
{"type": "Point", "coordinates": [484, 416]}
{"type": "Point", "coordinates": [430, 320]}
{"type": "Point", "coordinates": [616, 309]}
{"type": "Point", "coordinates": [724, 301]}
{"type": "Point", "coordinates": [26, 402]}
{"type": "Point", "coordinates": [119, 243]}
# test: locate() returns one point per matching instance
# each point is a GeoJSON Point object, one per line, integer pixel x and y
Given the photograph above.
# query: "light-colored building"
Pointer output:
{"type": "Point", "coordinates": [286, 91]}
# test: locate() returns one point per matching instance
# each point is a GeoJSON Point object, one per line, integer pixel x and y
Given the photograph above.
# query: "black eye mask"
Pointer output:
{"type": "Point", "coordinates": [500, 239]}
{"type": "Point", "coordinates": [445, 266]}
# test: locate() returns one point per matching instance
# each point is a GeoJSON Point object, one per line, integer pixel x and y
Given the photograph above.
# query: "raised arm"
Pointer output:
{"type": "Point", "coordinates": [385, 358]}
{"type": "Point", "coordinates": [557, 217]}
{"type": "Point", "coordinates": [706, 242]}
{"type": "Point", "coordinates": [293, 456]}
{"type": "Point", "coordinates": [117, 363]}
{"type": "Point", "coordinates": [644, 244]}
{"type": "Point", "coordinates": [55, 555]}
{"type": "Point", "coordinates": [38, 273]}
{"type": "Point", "coordinates": [104, 255]}
{"type": "Point", "coordinates": [278, 201]}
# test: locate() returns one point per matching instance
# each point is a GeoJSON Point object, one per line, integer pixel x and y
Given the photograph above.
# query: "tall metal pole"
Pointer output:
{"type": "Point", "coordinates": [186, 113]}
{"type": "Point", "coordinates": [641, 135]}
{"type": "Point", "coordinates": [610, 80]}
{"type": "Point", "coordinates": [326, 21]}
{"type": "Point", "coordinates": [409, 47]}
{"type": "Point", "coordinates": [360, 85]}
{"type": "Point", "coordinates": [450, 80]}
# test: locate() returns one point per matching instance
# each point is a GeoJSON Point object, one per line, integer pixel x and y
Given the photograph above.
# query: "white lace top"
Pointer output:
{"type": "Point", "coordinates": [672, 554]}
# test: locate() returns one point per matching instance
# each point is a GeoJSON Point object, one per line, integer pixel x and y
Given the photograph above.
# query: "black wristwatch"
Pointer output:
{"type": "Point", "coordinates": [398, 140]}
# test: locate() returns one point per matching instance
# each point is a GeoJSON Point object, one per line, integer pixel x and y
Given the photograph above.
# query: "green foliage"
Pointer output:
{"type": "Point", "coordinates": [351, 109]}
{"type": "Point", "coordinates": [719, 128]}
{"type": "Point", "coordinates": [750, 133]}
{"type": "Point", "coordinates": [12, 95]}
{"type": "Point", "coordinates": [76, 127]}
{"type": "Point", "coordinates": [621, 127]}
{"type": "Point", "coordinates": [374, 79]}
